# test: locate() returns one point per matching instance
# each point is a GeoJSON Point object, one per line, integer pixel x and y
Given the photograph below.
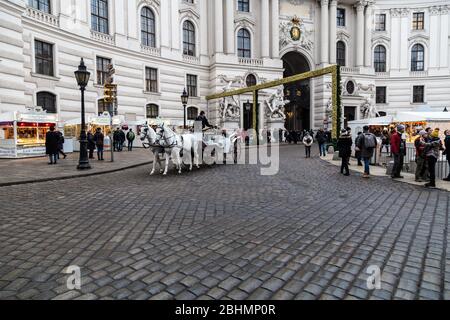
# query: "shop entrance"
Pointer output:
{"type": "Point", "coordinates": [298, 93]}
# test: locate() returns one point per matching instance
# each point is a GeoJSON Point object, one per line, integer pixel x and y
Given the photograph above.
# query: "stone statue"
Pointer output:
{"type": "Point", "coordinates": [229, 106]}
{"type": "Point", "coordinates": [368, 109]}
{"type": "Point", "coordinates": [275, 105]}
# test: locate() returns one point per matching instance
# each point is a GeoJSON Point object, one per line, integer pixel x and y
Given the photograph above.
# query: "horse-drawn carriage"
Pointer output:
{"type": "Point", "coordinates": [209, 146]}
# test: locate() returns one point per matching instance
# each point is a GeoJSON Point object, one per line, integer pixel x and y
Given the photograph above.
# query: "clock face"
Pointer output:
{"type": "Point", "coordinates": [295, 33]}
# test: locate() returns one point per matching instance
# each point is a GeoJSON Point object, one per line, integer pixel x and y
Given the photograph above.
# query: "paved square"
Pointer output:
{"type": "Point", "coordinates": [225, 232]}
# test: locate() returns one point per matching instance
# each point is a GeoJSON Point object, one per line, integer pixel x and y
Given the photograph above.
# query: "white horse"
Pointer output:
{"type": "Point", "coordinates": [152, 143]}
{"type": "Point", "coordinates": [174, 144]}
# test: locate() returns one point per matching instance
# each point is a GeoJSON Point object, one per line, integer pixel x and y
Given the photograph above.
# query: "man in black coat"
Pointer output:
{"type": "Point", "coordinates": [344, 146]}
{"type": "Point", "coordinates": [447, 151]}
{"type": "Point", "coordinates": [91, 144]}
{"type": "Point", "coordinates": [51, 145]}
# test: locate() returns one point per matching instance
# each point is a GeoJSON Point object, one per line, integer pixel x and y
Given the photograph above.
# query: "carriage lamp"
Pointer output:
{"type": "Point", "coordinates": [82, 77]}
{"type": "Point", "coordinates": [184, 101]}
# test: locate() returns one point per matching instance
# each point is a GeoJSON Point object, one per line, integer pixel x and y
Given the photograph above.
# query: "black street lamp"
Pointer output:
{"type": "Point", "coordinates": [82, 76]}
{"type": "Point", "coordinates": [184, 101]}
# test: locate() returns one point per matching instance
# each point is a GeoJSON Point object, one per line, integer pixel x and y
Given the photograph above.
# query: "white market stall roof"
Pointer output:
{"type": "Point", "coordinates": [28, 116]}
{"type": "Point", "coordinates": [404, 116]}
{"type": "Point", "coordinates": [380, 121]}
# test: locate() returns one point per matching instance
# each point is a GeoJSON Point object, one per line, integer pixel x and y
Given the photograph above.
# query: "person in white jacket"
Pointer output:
{"type": "Point", "coordinates": [308, 141]}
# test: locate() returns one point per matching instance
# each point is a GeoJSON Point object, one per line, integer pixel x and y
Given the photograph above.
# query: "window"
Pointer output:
{"type": "Point", "coordinates": [151, 79]}
{"type": "Point", "coordinates": [380, 22]}
{"type": "Point", "coordinates": [152, 111]}
{"type": "Point", "coordinates": [244, 5]}
{"type": "Point", "coordinates": [99, 16]}
{"type": "Point", "coordinates": [102, 106]}
{"type": "Point", "coordinates": [380, 95]}
{"type": "Point", "coordinates": [188, 38]}
{"type": "Point", "coordinates": [189, 1]}
{"type": "Point", "coordinates": [244, 44]}
{"type": "Point", "coordinates": [102, 69]}
{"type": "Point", "coordinates": [148, 33]}
{"type": "Point", "coordinates": [340, 17]}
{"type": "Point", "coordinates": [380, 58]}
{"type": "Point", "coordinates": [250, 80]}
{"type": "Point", "coordinates": [42, 5]}
{"type": "Point", "coordinates": [350, 87]}
{"type": "Point", "coordinates": [340, 53]}
{"type": "Point", "coordinates": [191, 84]}
{"type": "Point", "coordinates": [43, 57]}
{"type": "Point", "coordinates": [417, 58]}
{"type": "Point", "coordinates": [47, 101]}
{"type": "Point", "coordinates": [418, 21]}
{"type": "Point", "coordinates": [192, 113]}
{"type": "Point", "coordinates": [418, 94]}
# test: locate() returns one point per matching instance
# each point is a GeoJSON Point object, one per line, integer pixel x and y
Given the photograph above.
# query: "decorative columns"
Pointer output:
{"type": "Point", "coordinates": [360, 33]}
{"type": "Point", "coordinates": [275, 22]}
{"type": "Point", "coordinates": [218, 23]}
{"type": "Point", "coordinates": [333, 23]}
{"type": "Point", "coordinates": [368, 36]}
{"type": "Point", "coordinates": [229, 14]}
{"type": "Point", "coordinates": [265, 29]}
{"type": "Point", "coordinates": [324, 31]}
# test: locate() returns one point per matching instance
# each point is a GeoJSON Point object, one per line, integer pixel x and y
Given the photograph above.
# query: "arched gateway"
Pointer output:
{"type": "Point", "coordinates": [298, 111]}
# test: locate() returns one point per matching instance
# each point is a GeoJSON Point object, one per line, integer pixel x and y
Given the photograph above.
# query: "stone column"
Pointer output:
{"type": "Point", "coordinates": [333, 24]}
{"type": "Point", "coordinates": [275, 22]}
{"type": "Point", "coordinates": [265, 29]}
{"type": "Point", "coordinates": [324, 31]}
{"type": "Point", "coordinates": [230, 26]}
{"type": "Point", "coordinates": [218, 18]}
{"type": "Point", "coordinates": [368, 35]}
{"type": "Point", "coordinates": [359, 33]}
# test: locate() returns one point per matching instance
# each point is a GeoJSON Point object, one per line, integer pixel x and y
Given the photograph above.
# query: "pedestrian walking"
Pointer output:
{"type": "Point", "coordinates": [130, 138]}
{"type": "Point", "coordinates": [99, 139]}
{"type": "Point", "coordinates": [116, 139]}
{"type": "Point", "coordinates": [421, 167]}
{"type": "Point", "coordinates": [321, 140]}
{"type": "Point", "coordinates": [385, 141]}
{"type": "Point", "coordinates": [308, 141]}
{"type": "Point", "coordinates": [51, 145]}
{"type": "Point", "coordinates": [91, 144]}
{"type": "Point", "coordinates": [344, 146]}
{"type": "Point", "coordinates": [398, 150]}
{"type": "Point", "coordinates": [366, 143]}
{"type": "Point", "coordinates": [358, 151]}
{"type": "Point", "coordinates": [60, 144]}
{"type": "Point", "coordinates": [447, 151]}
{"type": "Point", "coordinates": [432, 150]}
{"type": "Point", "coordinates": [122, 139]}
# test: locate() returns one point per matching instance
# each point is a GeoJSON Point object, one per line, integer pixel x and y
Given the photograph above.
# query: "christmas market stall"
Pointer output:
{"type": "Point", "coordinates": [22, 133]}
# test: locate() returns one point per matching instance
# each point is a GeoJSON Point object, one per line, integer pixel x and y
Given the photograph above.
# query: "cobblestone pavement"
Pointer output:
{"type": "Point", "coordinates": [18, 171]}
{"type": "Point", "coordinates": [225, 232]}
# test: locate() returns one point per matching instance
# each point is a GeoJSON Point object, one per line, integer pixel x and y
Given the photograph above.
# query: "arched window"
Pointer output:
{"type": "Point", "coordinates": [380, 58]}
{"type": "Point", "coordinates": [244, 44]}
{"type": "Point", "coordinates": [152, 111]}
{"type": "Point", "coordinates": [188, 38]}
{"type": "Point", "coordinates": [47, 101]}
{"type": "Point", "coordinates": [340, 53]}
{"type": "Point", "coordinates": [148, 32]}
{"type": "Point", "coordinates": [417, 58]}
{"type": "Point", "coordinates": [250, 80]}
{"type": "Point", "coordinates": [192, 113]}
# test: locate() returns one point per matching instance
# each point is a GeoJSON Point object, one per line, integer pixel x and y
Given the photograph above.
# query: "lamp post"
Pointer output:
{"type": "Point", "coordinates": [82, 76]}
{"type": "Point", "coordinates": [184, 101]}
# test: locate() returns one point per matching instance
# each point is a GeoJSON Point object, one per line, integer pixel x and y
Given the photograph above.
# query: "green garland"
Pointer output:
{"type": "Point", "coordinates": [338, 107]}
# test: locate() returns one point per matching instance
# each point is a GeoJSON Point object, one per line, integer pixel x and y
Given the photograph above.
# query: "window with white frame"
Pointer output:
{"type": "Point", "coordinates": [152, 111]}
{"type": "Point", "coordinates": [418, 94]}
{"type": "Point", "coordinates": [151, 79]}
{"type": "Point", "coordinates": [380, 22]}
{"type": "Point", "coordinates": [192, 113]}
{"type": "Point", "coordinates": [340, 17]}
{"type": "Point", "coordinates": [47, 101]}
{"type": "Point", "coordinates": [43, 56]}
{"type": "Point", "coordinates": [380, 95]}
{"type": "Point", "coordinates": [191, 85]}
{"type": "Point", "coordinates": [188, 38]}
{"type": "Point", "coordinates": [102, 69]}
{"type": "Point", "coordinates": [380, 58]}
{"type": "Point", "coordinates": [41, 5]}
{"type": "Point", "coordinates": [417, 58]}
{"type": "Point", "coordinates": [244, 44]}
{"type": "Point", "coordinates": [418, 20]}
{"type": "Point", "coordinates": [148, 29]}
{"type": "Point", "coordinates": [340, 53]}
{"type": "Point", "coordinates": [99, 16]}
{"type": "Point", "coordinates": [244, 5]}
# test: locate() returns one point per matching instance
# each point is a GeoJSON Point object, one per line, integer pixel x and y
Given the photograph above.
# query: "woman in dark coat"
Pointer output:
{"type": "Point", "coordinates": [91, 145]}
{"type": "Point", "coordinates": [344, 146]}
{"type": "Point", "coordinates": [447, 151]}
{"type": "Point", "coordinates": [51, 145]}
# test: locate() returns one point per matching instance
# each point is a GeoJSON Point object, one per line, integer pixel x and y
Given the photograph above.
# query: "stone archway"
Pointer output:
{"type": "Point", "coordinates": [298, 111]}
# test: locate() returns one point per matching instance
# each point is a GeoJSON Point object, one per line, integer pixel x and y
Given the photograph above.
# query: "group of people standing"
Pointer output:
{"type": "Point", "coordinates": [96, 141]}
{"type": "Point", "coordinates": [119, 139]}
{"type": "Point", "coordinates": [54, 145]}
